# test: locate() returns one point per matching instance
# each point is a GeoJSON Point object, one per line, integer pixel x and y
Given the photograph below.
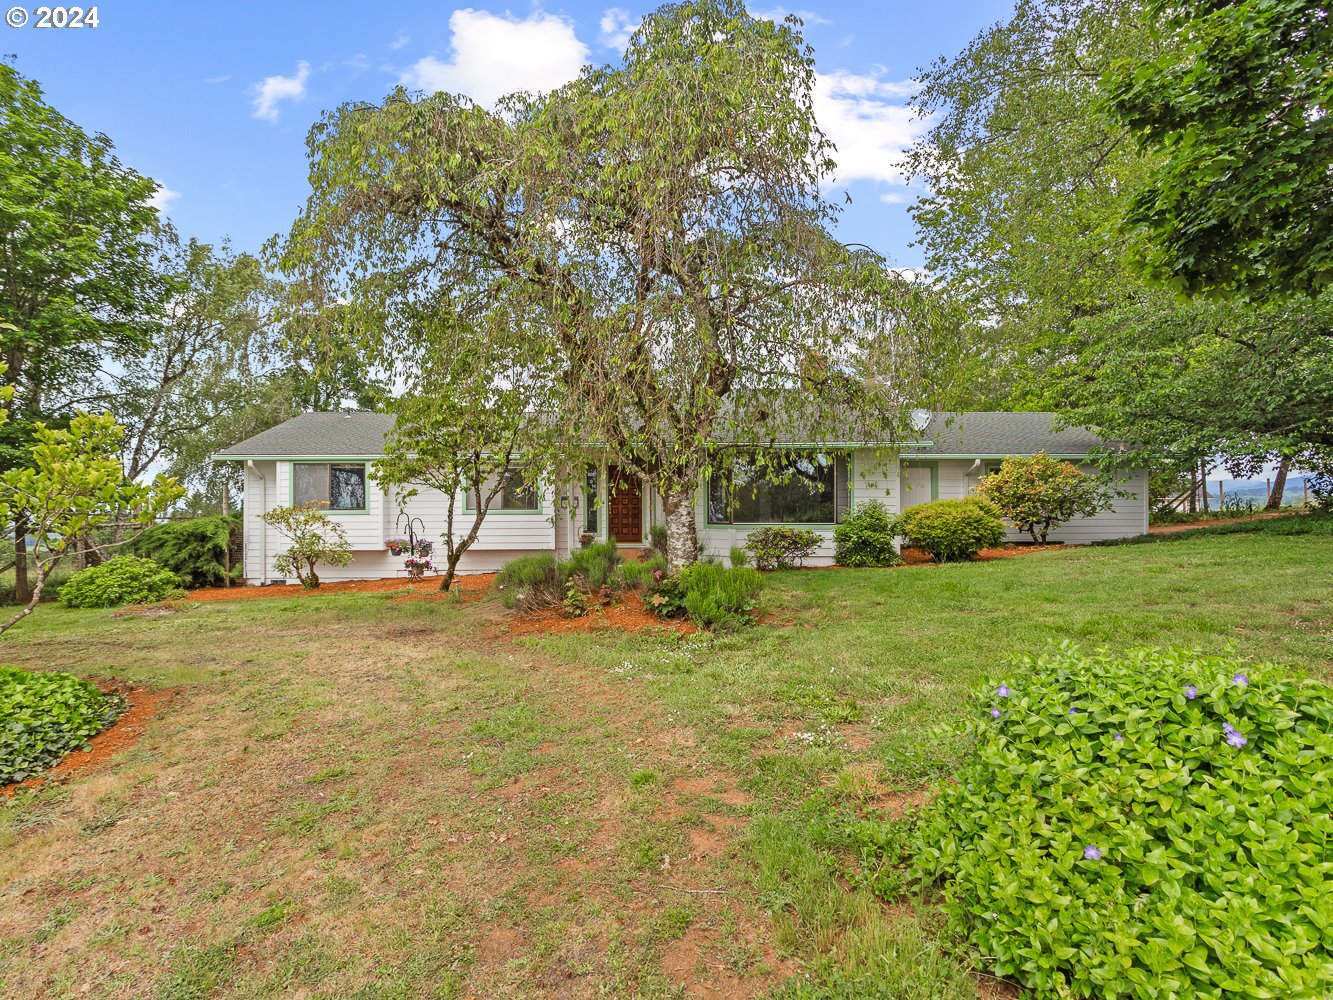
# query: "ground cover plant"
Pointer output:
{"type": "Point", "coordinates": [953, 530]}
{"type": "Point", "coordinates": [46, 715]}
{"type": "Point", "coordinates": [118, 581]}
{"type": "Point", "coordinates": [388, 796]}
{"type": "Point", "coordinates": [1142, 824]}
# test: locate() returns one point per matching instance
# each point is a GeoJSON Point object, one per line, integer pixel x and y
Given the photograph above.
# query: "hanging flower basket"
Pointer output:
{"type": "Point", "coordinates": [396, 546]}
{"type": "Point", "coordinates": [417, 567]}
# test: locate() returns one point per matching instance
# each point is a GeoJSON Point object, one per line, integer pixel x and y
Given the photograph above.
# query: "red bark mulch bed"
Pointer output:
{"type": "Point", "coordinates": [122, 734]}
{"type": "Point", "coordinates": [422, 589]}
{"type": "Point", "coordinates": [629, 615]}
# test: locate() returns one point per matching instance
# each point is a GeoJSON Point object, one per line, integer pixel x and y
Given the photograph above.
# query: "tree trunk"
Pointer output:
{"type": "Point", "coordinates": [33, 598]}
{"type": "Point", "coordinates": [22, 592]}
{"type": "Point", "coordinates": [1203, 484]}
{"type": "Point", "coordinates": [1279, 486]}
{"type": "Point", "coordinates": [682, 532]}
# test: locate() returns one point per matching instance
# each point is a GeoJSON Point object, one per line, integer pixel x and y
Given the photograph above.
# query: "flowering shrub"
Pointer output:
{"type": "Point", "coordinates": [865, 537]}
{"type": "Point", "coordinates": [1153, 824]}
{"type": "Point", "coordinates": [953, 530]}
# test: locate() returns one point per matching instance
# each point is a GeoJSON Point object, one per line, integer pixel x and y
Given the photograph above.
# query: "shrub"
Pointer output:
{"type": "Point", "coordinates": [782, 548]}
{"type": "Point", "coordinates": [638, 575]}
{"type": "Point", "coordinates": [1040, 493]}
{"type": "Point", "coordinates": [120, 580]}
{"type": "Point", "coordinates": [1152, 824]}
{"type": "Point", "coordinates": [739, 556]}
{"type": "Point", "coordinates": [315, 537]}
{"type": "Point", "coordinates": [714, 597]}
{"type": "Point", "coordinates": [46, 716]}
{"type": "Point", "coordinates": [195, 550]}
{"type": "Point", "coordinates": [530, 582]}
{"type": "Point", "coordinates": [594, 565]}
{"type": "Point", "coordinates": [953, 530]}
{"type": "Point", "coordinates": [865, 537]}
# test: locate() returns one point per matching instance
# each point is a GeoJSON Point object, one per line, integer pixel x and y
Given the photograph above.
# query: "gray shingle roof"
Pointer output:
{"type": "Point", "coordinates": [358, 434]}
{"type": "Point", "coordinates": [361, 434]}
{"type": "Point", "coordinates": [999, 434]}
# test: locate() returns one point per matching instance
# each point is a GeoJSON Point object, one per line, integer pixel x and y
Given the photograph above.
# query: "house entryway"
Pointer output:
{"type": "Point", "coordinates": [624, 507]}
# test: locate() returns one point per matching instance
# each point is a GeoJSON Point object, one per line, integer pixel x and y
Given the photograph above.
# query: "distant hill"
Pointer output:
{"type": "Point", "coordinates": [1257, 490]}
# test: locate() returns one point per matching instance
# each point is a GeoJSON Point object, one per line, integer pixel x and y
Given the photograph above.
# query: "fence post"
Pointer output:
{"type": "Point", "coordinates": [1221, 497]}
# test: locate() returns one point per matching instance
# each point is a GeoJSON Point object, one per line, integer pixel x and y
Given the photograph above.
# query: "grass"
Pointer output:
{"type": "Point", "coordinates": [355, 796]}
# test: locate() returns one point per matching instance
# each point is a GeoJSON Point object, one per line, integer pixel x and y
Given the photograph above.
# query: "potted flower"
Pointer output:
{"type": "Point", "coordinates": [424, 548]}
{"type": "Point", "coordinates": [417, 566]}
{"type": "Point", "coordinates": [587, 538]}
{"type": "Point", "coordinates": [396, 546]}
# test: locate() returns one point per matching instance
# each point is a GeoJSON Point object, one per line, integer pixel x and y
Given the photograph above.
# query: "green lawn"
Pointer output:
{"type": "Point", "coordinates": [359, 796]}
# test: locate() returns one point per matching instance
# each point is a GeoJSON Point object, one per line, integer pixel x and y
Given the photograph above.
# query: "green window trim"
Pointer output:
{"type": "Point", "coordinates": [537, 490]}
{"type": "Point", "coordinates": [365, 480]}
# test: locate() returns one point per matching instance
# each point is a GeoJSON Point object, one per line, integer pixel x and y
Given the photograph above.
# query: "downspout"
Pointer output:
{"type": "Point", "coordinates": [263, 532]}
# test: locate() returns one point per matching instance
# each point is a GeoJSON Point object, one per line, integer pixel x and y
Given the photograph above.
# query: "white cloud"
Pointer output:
{"type": "Point", "coordinates": [893, 198]}
{"type": "Point", "coordinates": [272, 90]}
{"type": "Point", "coordinates": [780, 13]}
{"type": "Point", "coordinates": [358, 64]}
{"type": "Point", "coordinates": [399, 40]}
{"type": "Point", "coordinates": [866, 119]}
{"type": "Point", "coordinates": [163, 197]}
{"type": "Point", "coordinates": [617, 25]}
{"type": "Point", "coordinates": [492, 55]}
{"type": "Point", "coordinates": [217, 79]}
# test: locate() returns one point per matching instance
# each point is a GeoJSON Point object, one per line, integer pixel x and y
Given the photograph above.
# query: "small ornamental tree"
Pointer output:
{"type": "Point", "coordinates": [74, 485]}
{"type": "Point", "coordinates": [1040, 493]}
{"type": "Point", "coordinates": [315, 537]}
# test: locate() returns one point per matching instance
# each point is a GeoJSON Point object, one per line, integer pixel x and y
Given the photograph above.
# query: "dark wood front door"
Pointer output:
{"type": "Point", "coordinates": [624, 506]}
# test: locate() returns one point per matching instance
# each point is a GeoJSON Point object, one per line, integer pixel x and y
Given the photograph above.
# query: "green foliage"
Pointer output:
{"type": "Point", "coordinates": [120, 580]}
{"type": "Point", "coordinates": [315, 538]}
{"type": "Point", "coordinates": [195, 550]}
{"type": "Point", "coordinates": [865, 537]}
{"type": "Point", "coordinates": [1235, 107]}
{"type": "Point", "coordinates": [1149, 824]}
{"type": "Point", "coordinates": [594, 566]}
{"type": "Point", "coordinates": [530, 582]}
{"type": "Point", "coordinates": [638, 575]}
{"type": "Point", "coordinates": [739, 556]}
{"type": "Point", "coordinates": [713, 596]}
{"type": "Point", "coordinates": [657, 539]}
{"type": "Point", "coordinates": [782, 547]}
{"type": "Point", "coordinates": [953, 530]}
{"type": "Point", "coordinates": [576, 601]}
{"type": "Point", "coordinates": [1317, 523]}
{"type": "Point", "coordinates": [46, 715]}
{"type": "Point", "coordinates": [1039, 493]}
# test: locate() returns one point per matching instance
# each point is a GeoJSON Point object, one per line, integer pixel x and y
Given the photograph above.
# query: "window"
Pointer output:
{"type": "Point", "coordinates": [591, 480]}
{"type": "Point", "coordinates": [988, 467]}
{"type": "Point", "coordinates": [514, 495]}
{"type": "Point", "coordinates": [806, 488]}
{"type": "Point", "coordinates": [340, 486]}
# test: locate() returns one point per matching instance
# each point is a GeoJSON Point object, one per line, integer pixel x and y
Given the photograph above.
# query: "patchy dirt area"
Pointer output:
{"type": "Point", "coordinates": [629, 615]}
{"type": "Point", "coordinates": [122, 734]}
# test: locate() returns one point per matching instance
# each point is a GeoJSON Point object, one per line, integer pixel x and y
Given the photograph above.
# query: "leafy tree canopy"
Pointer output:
{"type": "Point", "coordinates": [1237, 108]}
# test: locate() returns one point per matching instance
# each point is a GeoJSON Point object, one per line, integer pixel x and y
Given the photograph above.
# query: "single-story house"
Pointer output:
{"type": "Point", "coordinates": [328, 457]}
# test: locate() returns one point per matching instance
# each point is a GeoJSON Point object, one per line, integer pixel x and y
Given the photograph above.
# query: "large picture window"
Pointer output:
{"type": "Point", "coordinates": [342, 486]}
{"type": "Point", "coordinates": [514, 495]}
{"type": "Point", "coordinates": [804, 488]}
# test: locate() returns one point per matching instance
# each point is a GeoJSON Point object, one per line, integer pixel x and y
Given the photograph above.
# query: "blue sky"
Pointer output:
{"type": "Point", "coordinates": [213, 100]}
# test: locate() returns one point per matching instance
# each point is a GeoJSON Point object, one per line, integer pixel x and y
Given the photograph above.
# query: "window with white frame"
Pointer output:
{"type": "Point", "coordinates": [339, 485]}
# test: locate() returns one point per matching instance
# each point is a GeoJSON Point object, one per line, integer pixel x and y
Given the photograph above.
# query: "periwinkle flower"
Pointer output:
{"type": "Point", "coordinates": [995, 713]}
{"type": "Point", "coordinates": [1191, 692]}
{"type": "Point", "coordinates": [1117, 737]}
{"type": "Point", "coordinates": [1002, 691]}
{"type": "Point", "coordinates": [1233, 735]}
{"type": "Point", "coordinates": [1242, 680]}
{"type": "Point", "coordinates": [1092, 853]}
{"type": "Point", "coordinates": [1073, 711]}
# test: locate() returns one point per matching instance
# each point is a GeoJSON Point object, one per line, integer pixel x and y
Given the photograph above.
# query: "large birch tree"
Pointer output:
{"type": "Point", "coordinates": [666, 224]}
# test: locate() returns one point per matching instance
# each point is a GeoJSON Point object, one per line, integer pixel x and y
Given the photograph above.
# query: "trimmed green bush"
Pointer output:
{"type": "Point", "coordinates": [1149, 824]}
{"type": "Point", "coordinates": [865, 537]}
{"type": "Point", "coordinates": [637, 575]}
{"type": "Point", "coordinates": [122, 580]}
{"type": "Point", "coordinates": [594, 565]}
{"type": "Point", "coordinates": [45, 716]}
{"type": "Point", "coordinates": [782, 547]}
{"type": "Point", "coordinates": [953, 530]}
{"type": "Point", "coordinates": [195, 550]}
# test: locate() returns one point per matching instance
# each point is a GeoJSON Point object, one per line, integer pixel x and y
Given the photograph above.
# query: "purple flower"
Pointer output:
{"type": "Point", "coordinates": [1242, 680]}
{"type": "Point", "coordinates": [995, 713]}
{"type": "Point", "coordinates": [1233, 736]}
{"type": "Point", "coordinates": [1092, 853]}
{"type": "Point", "coordinates": [1073, 711]}
{"type": "Point", "coordinates": [1191, 692]}
{"type": "Point", "coordinates": [1002, 690]}
{"type": "Point", "coordinates": [1117, 737]}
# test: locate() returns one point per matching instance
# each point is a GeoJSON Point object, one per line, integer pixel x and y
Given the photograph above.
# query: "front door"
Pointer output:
{"type": "Point", "coordinates": [624, 507]}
